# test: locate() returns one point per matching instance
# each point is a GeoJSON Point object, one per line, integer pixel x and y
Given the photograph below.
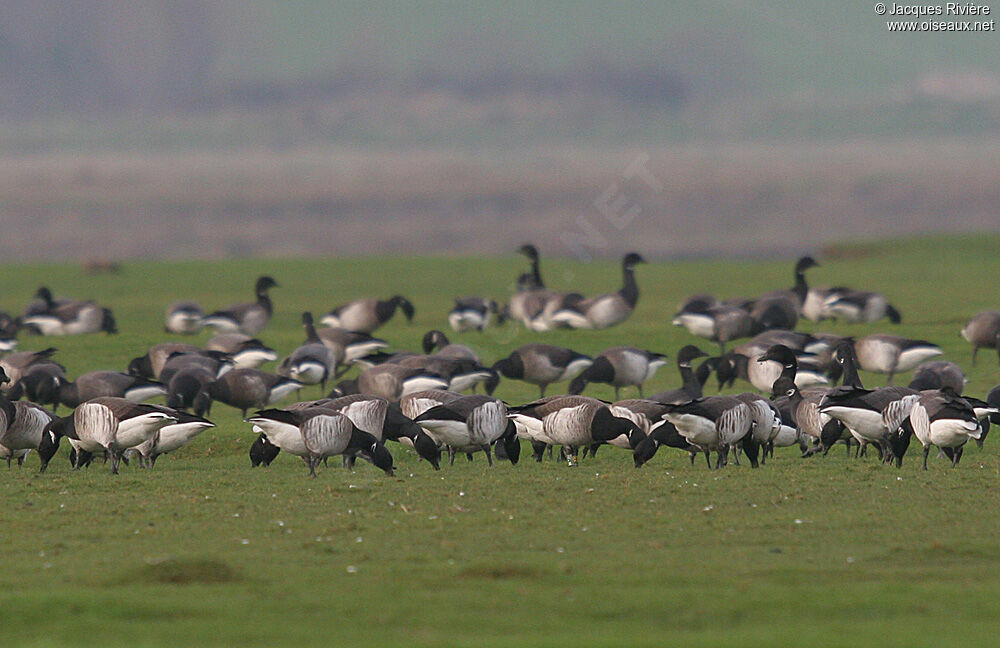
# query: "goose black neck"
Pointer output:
{"type": "Point", "coordinates": [630, 289]}
{"type": "Point", "coordinates": [692, 383]}
{"type": "Point", "coordinates": [850, 363]}
{"type": "Point", "coordinates": [311, 335]}
{"type": "Point", "coordinates": [536, 273]}
{"type": "Point", "coordinates": [801, 288]}
{"type": "Point", "coordinates": [264, 301]}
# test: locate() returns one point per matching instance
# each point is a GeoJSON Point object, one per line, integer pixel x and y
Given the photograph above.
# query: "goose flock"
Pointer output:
{"type": "Point", "coordinates": [808, 393]}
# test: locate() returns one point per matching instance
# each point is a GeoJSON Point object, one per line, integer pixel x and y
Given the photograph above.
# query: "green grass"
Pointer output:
{"type": "Point", "coordinates": [205, 551]}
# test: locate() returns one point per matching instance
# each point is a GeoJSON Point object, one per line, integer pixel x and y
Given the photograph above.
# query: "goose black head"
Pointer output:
{"type": "Point", "coordinates": [899, 441]}
{"type": "Point", "coordinates": [783, 387]}
{"type": "Point", "coordinates": [263, 452]}
{"type": "Point", "coordinates": [381, 457]}
{"type": "Point", "coordinates": [404, 304]}
{"type": "Point", "coordinates": [45, 295]}
{"type": "Point", "coordinates": [631, 259]}
{"type": "Point", "coordinates": [52, 433]}
{"type": "Point", "coordinates": [141, 366]}
{"type": "Point", "coordinates": [508, 446]}
{"type": "Point", "coordinates": [781, 354]}
{"type": "Point", "coordinates": [644, 451]}
{"type": "Point", "coordinates": [307, 319]}
{"type": "Point", "coordinates": [689, 353]}
{"type": "Point", "coordinates": [434, 340]}
{"type": "Point", "coordinates": [805, 263]}
{"type": "Point", "coordinates": [529, 251]}
{"type": "Point", "coordinates": [264, 284]}
{"type": "Point", "coordinates": [108, 324]}
{"type": "Point", "coordinates": [427, 449]}
{"type": "Point", "coordinates": [725, 370]}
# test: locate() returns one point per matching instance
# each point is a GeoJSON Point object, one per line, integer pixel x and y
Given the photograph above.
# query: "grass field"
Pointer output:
{"type": "Point", "coordinates": [203, 550]}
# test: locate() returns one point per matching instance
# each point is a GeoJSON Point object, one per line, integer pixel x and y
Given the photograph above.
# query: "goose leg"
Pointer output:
{"type": "Point", "coordinates": [541, 391]}
{"type": "Point", "coordinates": [489, 454]}
{"type": "Point", "coordinates": [975, 350]}
{"type": "Point", "coordinates": [927, 451]}
{"type": "Point", "coordinates": [115, 460]}
{"type": "Point", "coordinates": [468, 457]}
{"type": "Point", "coordinates": [571, 455]}
{"type": "Point", "coordinates": [708, 459]}
{"type": "Point", "coordinates": [617, 393]}
{"type": "Point", "coordinates": [958, 456]}
{"type": "Point", "coordinates": [312, 462]}
{"type": "Point", "coordinates": [451, 456]}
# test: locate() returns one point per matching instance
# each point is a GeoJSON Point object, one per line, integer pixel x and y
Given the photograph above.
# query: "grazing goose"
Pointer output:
{"type": "Point", "coordinates": [151, 364]}
{"type": "Point", "coordinates": [540, 364]}
{"type": "Point", "coordinates": [778, 361]}
{"type": "Point", "coordinates": [437, 342]}
{"type": "Point", "coordinates": [647, 415]}
{"type": "Point", "coordinates": [938, 375]}
{"type": "Point", "coordinates": [470, 424]}
{"type": "Point", "coordinates": [21, 426]}
{"type": "Point", "coordinates": [713, 424]}
{"type": "Point", "coordinates": [801, 410]}
{"type": "Point", "coordinates": [862, 413]}
{"type": "Point", "coordinates": [982, 331]}
{"type": "Point", "coordinates": [720, 323]}
{"type": "Point", "coordinates": [39, 383]}
{"type": "Point", "coordinates": [860, 306]}
{"type": "Point", "coordinates": [91, 385]}
{"type": "Point", "coordinates": [388, 422]}
{"type": "Point", "coordinates": [692, 381]}
{"type": "Point", "coordinates": [247, 388]}
{"type": "Point", "coordinates": [891, 354]}
{"type": "Point", "coordinates": [248, 318]}
{"type": "Point", "coordinates": [246, 352]}
{"type": "Point", "coordinates": [74, 318]}
{"type": "Point", "coordinates": [216, 362]}
{"type": "Point", "coordinates": [188, 389]}
{"type": "Point", "coordinates": [170, 437]}
{"type": "Point", "coordinates": [391, 382]}
{"type": "Point", "coordinates": [366, 315]}
{"type": "Point", "coordinates": [620, 366]}
{"type": "Point", "coordinates": [472, 314]}
{"type": "Point", "coordinates": [312, 362]}
{"type": "Point", "coordinates": [349, 346]}
{"type": "Point", "coordinates": [315, 433]}
{"type": "Point", "coordinates": [9, 328]}
{"type": "Point", "coordinates": [416, 403]}
{"type": "Point", "coordinates": [110, 425]}
{"type": "Point", "coordinates": [16, 364]}
{"type": "Point", "coordinates": [461, 373]}
{"type": "Point", "coordinates": [580, 421]}
{"type": "Point", "coordinates": [940, 418]}
{"type": "Point", "coordinates": [606, 310]}
{"type": "Point", "coordinates": [183, 317]}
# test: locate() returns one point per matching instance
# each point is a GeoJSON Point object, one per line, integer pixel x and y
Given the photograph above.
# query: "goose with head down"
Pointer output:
{"type": "Point", "coordinates": [366, 315]}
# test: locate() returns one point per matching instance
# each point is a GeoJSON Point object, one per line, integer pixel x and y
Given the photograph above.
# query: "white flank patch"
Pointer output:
{"type": "Point", "coordinates": [309, 373]}
{"type": "Point", "coordinates": [253, 358]}
{"type": "Point", "coordinates": [284, 435]}
{"type": "Point", "coordinates": [697, 324]}
{"type": "Point", "coordinates": [864, 423]}
{"type": "Point", "coordinates": [360, 349]}
{"type": "Point", "coordinates": [696, 429]}
{"type": "Point", "coordinates": [912, 357]}
{"type": "Point", "coordinates": [280, 391]}
{"type": "Point", "coordinates": [420, 383]}
{"type": "Point", "coordinates": [141, 393]}
{"type": "Point", "coordinates": [139, 429]}
{"type": "Point", "coordinates": [951, 433]}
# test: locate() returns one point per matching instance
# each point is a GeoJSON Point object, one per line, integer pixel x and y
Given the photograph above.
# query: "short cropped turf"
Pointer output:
{"type": "Point", "coordinates": [204, 550]}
